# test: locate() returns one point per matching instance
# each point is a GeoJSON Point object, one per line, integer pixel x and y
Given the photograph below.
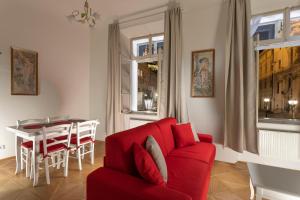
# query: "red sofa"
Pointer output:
{"type": "Point", "coordinates": [188, 168]}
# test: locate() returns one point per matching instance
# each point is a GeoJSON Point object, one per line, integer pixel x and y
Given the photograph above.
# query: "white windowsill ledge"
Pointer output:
{"type": "Point", "coordinates": [284, 125]}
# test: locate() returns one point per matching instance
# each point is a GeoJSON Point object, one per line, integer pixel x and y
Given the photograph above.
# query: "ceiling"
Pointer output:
{"type": "Point", "coordinates": [112, 9]}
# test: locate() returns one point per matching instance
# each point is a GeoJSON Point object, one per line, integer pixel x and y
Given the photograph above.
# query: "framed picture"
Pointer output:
{"type": "Point", "coordinates": [24, 72]}
{"type": "Point", "coordinates": [203, 66]}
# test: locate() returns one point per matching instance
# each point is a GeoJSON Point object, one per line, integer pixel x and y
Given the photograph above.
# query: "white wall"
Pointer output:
{"type": "Point", "coordinates": [203, 28]}
{"type": "Point", "coordinates": [98, 76]}
{"type": "Point", "coordinates": [63, 49]}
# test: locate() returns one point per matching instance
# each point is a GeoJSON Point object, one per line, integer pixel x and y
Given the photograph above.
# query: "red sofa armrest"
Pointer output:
{"type": "Point", "coordinates": [205, 138]}
{"type": "Point", "coordinates": [108, 184]}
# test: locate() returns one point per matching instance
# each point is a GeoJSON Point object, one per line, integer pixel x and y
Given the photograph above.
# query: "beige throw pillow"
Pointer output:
{"type": "Point", "coordinates": [195, 133]}
{"type": "Point", "coordinates": [154, 150]}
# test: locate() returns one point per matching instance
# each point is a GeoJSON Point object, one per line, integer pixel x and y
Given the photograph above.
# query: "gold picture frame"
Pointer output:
{"type": "Point", "coordinates": [203, 73]}
{"type": "Point", "coordinates": [24, 72]}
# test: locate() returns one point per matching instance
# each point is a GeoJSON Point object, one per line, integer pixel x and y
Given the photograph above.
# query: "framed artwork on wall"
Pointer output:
{"type": "Point", "coordinates": [24, 72]}
{"type": "Point", "coordinates": [203, 66]}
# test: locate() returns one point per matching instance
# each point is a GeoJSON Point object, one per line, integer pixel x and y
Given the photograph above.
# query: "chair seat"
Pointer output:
{"type": "Point", "coordinates": [64, 137]}
{"type": "Point", "coordinates": [29, 144]}
{"type": "Point", "coordinates": [54, 148]}
{"type": "Point", "coordinates": [82, 140]}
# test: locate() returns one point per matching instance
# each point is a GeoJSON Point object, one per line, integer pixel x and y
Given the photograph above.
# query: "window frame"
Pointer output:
{"type": "Point", "coordinates": [286, 41]}
{"type": "Point", "coordinates": [150, 54]}
{"type": "Point", "coordinates": [289, 37]}
{"type": "Point", "coordinates": [272, 41]}
{"type": "Point", "coordinates": [148, 58]}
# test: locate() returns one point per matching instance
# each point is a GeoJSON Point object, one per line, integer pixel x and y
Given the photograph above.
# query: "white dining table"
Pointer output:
{"type": "Point", "coordinates": [34, 135]}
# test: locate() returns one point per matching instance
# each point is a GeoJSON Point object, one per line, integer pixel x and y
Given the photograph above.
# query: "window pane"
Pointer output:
{"type": "Point", "coordinates": [279, 83]}
{"type": "Point", "coordinates": [157, 44]}
{"type": "Point", "coordinates": [270, 27]}
{"type": "Point", "coordinates": [147, 86]}
{"type": "Point", "coordinates": [140, 47]}
{"type": "Point", "coordinates": [295, 22]}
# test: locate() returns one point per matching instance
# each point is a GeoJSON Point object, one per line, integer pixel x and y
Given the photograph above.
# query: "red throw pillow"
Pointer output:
{"type": "Point", "coordinates": [183, 135]}
{"type": "Point", "coordinates": [146, 165]}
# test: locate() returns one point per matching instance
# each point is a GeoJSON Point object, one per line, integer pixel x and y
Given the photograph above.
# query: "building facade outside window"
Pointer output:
{"type": "Point", "coordinates": [277, 42]}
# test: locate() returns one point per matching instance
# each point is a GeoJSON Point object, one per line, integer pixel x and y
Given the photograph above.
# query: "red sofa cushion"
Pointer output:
{"type": "Point", "coordinates": [164, 126]}
{"type": "Point", "coordinates": [200, 151]}
{"type": "Point", "coordinates": [118, 147]}
{"type": "Point", "coordinates": [183, 135]}
{"type": "Point", "coordinates": [146, 165]}
{"type": "Point", "coordinates": [188, 176]}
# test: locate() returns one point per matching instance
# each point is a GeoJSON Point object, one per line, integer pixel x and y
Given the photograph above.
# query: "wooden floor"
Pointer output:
{"type": "Point", "coordinates": [228, 182]}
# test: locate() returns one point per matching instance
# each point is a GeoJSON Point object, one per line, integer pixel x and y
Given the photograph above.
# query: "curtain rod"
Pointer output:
{"type": "Point", "coordinates": [142, 11]}
{"type": "Point", "coordinates": [135, 16]}
{"type": "Point", "coordinates": [141, 17]}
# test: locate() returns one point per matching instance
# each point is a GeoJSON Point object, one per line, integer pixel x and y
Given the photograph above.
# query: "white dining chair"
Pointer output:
{"type": "Point", "coordinates": [56, 147]}
{"type": "Point", "coordinates": [57, 118]}
{"type": "Point", "coordinates": [26, 146]}
{"type": "Point", "coordinates": [85, 135]}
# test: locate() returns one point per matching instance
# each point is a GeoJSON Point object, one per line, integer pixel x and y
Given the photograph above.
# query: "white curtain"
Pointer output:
{"type": "Point", "coordinates": [113, 109]}
{"type": "Point", "coordinates": [241, 78]}
{"type": "Point", "coordinates": [171, 95]}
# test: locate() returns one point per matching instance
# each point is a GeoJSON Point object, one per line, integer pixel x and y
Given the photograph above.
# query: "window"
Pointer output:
{"type": "Point", "coordinates": [146, 61]}
{"type": "Point", "coordinates": [270, 27]}
{"type": "Point", "coordinates": [277, 41]}
{"type": "Point", "coordinates": [295, 22]}
{"type": "Point", "coordinates": [282, 100]}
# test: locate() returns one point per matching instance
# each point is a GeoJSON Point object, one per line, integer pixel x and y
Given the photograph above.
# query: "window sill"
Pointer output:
{"type": "Point", "coordinates": [279, 121]}
{"type": "Point", "coordinates": [285, 125]}
{"type": "Point", "coordinates": [151, 113]}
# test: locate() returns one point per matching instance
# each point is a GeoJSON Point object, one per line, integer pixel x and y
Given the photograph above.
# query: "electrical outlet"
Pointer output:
{"type": "Point", "coordinates": [2, 147]}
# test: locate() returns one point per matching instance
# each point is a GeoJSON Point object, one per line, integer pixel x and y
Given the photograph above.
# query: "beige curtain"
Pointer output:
{"type": "Point", "coordinates": [113, 109]}
{"type": "Point", "coordinates": [241, 80]}
{"type": "Point", "coordinates": [171, 95]}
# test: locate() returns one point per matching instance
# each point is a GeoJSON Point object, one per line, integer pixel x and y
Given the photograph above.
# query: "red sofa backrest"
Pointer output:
{"type": "Point", "coordinates": [118, 146]}
{"type": "Point", "coordinates": [164, 126]}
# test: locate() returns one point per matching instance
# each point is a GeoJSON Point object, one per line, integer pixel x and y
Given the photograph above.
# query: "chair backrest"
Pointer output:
{"type": "Point", "coordinates": [56, 131]}
{"type": "Point", "coordinates": [86, 129]}
{"type": "Point", "coordinates": [31, 121]}
{"type": "Point", "coordinates": [57, 118]}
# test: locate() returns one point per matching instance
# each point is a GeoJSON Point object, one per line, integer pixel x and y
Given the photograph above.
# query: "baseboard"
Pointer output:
{"type": "Point", "coordinates": [7, 158]}
{"type": "Point", "coordinates": [225, 154]}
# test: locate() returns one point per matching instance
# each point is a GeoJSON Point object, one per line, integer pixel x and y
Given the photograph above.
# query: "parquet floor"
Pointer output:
{"type": "Point", "coordinates": [228, 182]}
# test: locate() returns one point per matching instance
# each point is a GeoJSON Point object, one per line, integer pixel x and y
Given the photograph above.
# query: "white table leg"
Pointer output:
{"type": "Point", "coordinates": [18, 142]}
{"type": "Point", "coordinates": [35, 153]}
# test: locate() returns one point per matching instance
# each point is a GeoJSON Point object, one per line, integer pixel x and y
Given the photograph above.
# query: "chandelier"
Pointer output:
{"type": "Point", "coordinates": [85, 16]}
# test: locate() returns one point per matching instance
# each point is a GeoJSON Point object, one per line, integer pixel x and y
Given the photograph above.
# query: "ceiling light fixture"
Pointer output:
{"type": "Point", "coordinates": [86, 16]}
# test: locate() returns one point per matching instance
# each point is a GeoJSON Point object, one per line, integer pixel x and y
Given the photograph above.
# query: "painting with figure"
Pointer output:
{"type": "Point", "coordinates": [203, 73]}
{"type": "Point", "coordinates": [24, 72]}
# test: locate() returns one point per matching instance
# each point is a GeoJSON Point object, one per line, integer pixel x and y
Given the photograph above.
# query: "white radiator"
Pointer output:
{"type": "Point", "coordinates": [279, 145]}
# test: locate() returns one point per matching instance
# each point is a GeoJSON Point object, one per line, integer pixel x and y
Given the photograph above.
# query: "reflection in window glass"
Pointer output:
{"type": "Point", "coordinates": [295, 22]}
{"type": "Point", "coordinates": [157, 44]}
{"type": "Point", "coordinates": [270, 27]}
{"type": "Point", "coordinates": [140, 47]}
{"type": "Point", "coordinates": [147, 86]}
{"type": "Point", "coordinates": [279, 83]}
